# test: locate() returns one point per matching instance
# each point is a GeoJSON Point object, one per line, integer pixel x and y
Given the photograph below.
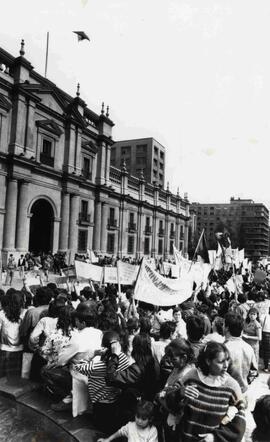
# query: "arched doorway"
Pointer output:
{"type": "Point", "coordinates": [41, 227]}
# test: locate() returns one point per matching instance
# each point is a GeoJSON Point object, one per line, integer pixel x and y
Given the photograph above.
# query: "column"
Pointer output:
{"type": "Point", "coordinates": [139, 233]}
{"type": "Point", "coordinates": [108, 161]}
{"type": "Point", "coordinates": [11, 214]}
{"type": "Point", "coordinates": [166, 238]}
{"type": "Point", "coordinates": [177, 233]}
{"type": "Point", "coordinates": [154, 235]}
{"type": "Point", "coordinates": [73, 226]}
{"type": "Point", "coordinates": [186, 238]}
{"type": "Point", "coordinates": [104, 222]}
{"type": "Point", "coordinates": [56, 226]}
{"type": "Point", "coordinates": [64, 225]}
{"type": "Point", "coordinates": [96, 239]}
{"type": "Point", "coordinates": [21, 237]}
{"type": "Point", "coordinates": [124, 231]}
{"type": "Point", "coordinates": [117, 233]}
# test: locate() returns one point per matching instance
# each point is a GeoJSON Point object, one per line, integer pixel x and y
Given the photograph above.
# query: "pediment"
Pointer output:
{"type": "Point", "coordinates": [49, 96]}
{"type": "Point", "coordinates": [90, 146]}
{"type": "Point", "coordinates": [49, 101]}
{"type": "Point", "coordinates": [50, 126]}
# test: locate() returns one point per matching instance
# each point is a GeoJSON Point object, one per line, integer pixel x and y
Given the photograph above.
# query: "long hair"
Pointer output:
{"type": "Point", "coordinates": [64, 322]}
{"type": "Point", "coordinates": [141, 350]}
{"type": "Point", "coordinates": [13, 306]}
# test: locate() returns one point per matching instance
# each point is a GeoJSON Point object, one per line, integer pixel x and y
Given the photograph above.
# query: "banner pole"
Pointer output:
{"type": "Point", "coordinates": [196, 250]}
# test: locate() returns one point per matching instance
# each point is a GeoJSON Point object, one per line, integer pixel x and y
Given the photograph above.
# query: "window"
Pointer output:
{"type": "Point", "coordinates": [131, 217]}
{"type": "Point", "coordinates": [113, 155]}
{"type": "Point", "coordinates": [181, 245]}
{"type": "Point", "coordinates": [84, 207]}
{"type": "Point", "coordinates": [111, 214]}
{"type": "Point", "coordinates": [140, 161]}
{"type": "Point", "coordinates": [146, 246]}
{"type": "Point", "coordinates": [110, 243]}
{"type": "Point", "coordinates": [147, 221]}
{"type": "Point", "coordinates": [47, 148]}
{"type": "Point", "coordinates": [87, 167]}
{"type": "Point", "coordinates": [160, 225]}
{"type": "Point", "coordinates": [125, 150]}
{"type": "Point", "coordinates": [47, 154]}
{"type": "Point", "coordinates": [171, 247]}
{"type": "Point", "coordinates": [172, 227]}
{"type": "Point", "coordinates": [181, 232]}
{"type": "Point", "coordinates": [161, 154]}
{"type": "Point", "coordinates": [130, 247]}
{"type": "Point", "coordinates": [82, 240]}
{"type": "Point", "coordinates": [161, 166]}
{"type": "Point", "coordinates": [160, 246]}
{"type": "Point", "coordinates": [141, 148]}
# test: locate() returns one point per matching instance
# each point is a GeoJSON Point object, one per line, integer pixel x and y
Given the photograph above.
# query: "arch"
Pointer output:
{"type": "Point", "coordinates": [41, 226]}
{"type": "Point", "coordinates": [43, 197]}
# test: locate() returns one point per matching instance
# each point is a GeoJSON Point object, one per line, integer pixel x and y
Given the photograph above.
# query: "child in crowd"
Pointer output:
{"type": "Point", "coordinates": [141, 429]}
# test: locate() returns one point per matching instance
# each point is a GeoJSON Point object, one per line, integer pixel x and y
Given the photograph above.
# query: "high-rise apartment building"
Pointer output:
{"type": "Point", "coordinates": [246, 221]}
{"type": "Point", "coordinates": [143, 155]}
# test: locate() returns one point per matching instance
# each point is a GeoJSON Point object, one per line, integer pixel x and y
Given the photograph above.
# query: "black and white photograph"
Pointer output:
{"type": "Point", "coordinates": [134, 221]}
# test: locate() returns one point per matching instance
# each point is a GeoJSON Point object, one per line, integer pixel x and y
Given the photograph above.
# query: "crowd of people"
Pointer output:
{"type": "Point", "coordinates": [145, 373]}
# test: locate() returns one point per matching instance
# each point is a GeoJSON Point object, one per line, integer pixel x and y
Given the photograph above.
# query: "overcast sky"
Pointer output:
{"type": "Point", "coordinates": [195, 75]}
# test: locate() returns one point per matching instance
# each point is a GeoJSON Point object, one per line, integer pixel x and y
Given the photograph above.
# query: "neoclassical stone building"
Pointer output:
{"type": "Point", "coordinates": [58, 191]}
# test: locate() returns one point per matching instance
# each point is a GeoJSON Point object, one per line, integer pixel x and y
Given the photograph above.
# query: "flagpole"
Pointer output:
{"type": "Point", "coordinates": [196, 250]}
{"type": "Point", "coordinates": [47, 51]}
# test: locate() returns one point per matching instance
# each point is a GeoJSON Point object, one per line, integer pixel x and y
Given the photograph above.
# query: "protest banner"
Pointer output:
{"type": "Point", "coordinates": [110, 275]}
{"type": "Point", "coordinates": [155, 289]}
{"type": "Point", "coordinates": [93, 258]}
{"type": "Point", "coordinates": [69, 271]}
{"type": "Point", "coordinates": [127, 273]}
{"type": "Point", "coordinates": [88, 271]}
{"type": "Point", "coordinates": [175, 271]}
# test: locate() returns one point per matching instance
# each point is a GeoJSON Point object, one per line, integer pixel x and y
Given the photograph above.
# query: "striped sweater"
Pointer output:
{"type": "Point", "coordinates": [204, 414]}
{"type": "Point", "coordinates": [98, 390]}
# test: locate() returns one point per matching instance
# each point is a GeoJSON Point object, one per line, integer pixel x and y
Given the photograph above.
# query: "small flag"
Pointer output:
{"type": "Point", "coordinates": [81, 35]}
{"type": "Point", "coordinates": [202, 250]}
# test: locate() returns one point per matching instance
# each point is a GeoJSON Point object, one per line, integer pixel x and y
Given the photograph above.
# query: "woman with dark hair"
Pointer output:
{"type": "Point", "coordinates": [47, 324]}
{"type": "Point", "coordinates": [102, 396]}
{"type": "Point", "coordinates": [45, 327]}
{"type": "Point", "coordinates": [11, 347]}
{"type": "Point", "coordinates": [140, 379]}
{"type": "Point", "coordinates": [209, 400]}
{"type": "Point", "coordinates": [59, 337]}
{"type": "Point", "coordinates": [252, 332]}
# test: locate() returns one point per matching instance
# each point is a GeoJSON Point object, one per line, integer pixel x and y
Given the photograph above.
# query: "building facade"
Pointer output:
{"type": "Point", "coordinates": [58, 191]}
{"type": "Point", "coordinates": [247, 223]}
{"type": "Point", "coordinates": [141, 155]}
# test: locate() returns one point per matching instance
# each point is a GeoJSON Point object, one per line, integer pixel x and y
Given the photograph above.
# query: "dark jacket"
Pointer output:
{"type": "Point", "coordinates": [142, 380]}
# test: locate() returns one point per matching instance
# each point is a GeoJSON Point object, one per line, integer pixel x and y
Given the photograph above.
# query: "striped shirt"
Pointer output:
{"type": "Point", "coordinates": [96, 369]}
{"type": "Point", "coordinates": [204, 414]}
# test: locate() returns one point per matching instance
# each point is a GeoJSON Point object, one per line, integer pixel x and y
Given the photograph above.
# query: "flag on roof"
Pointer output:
{"type": "Point", "coordinates": [81, 35]}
